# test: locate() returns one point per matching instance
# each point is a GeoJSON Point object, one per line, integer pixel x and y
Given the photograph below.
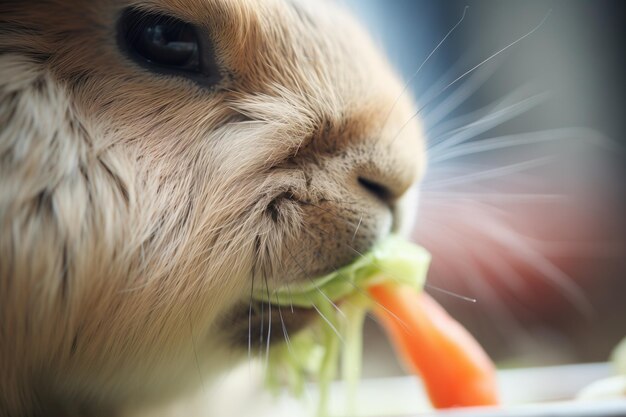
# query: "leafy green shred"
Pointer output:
{"type": "Point", "coordinates": [341, 300]}
{"type": "Point", "coordinates": [613, 387]}
{"type": "Point", "coordinates": [618, 357]}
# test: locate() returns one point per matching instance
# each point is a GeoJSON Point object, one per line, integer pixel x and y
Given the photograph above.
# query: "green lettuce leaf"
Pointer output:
{"type": "Point", "coordinates": [393, 259]}
{"type": "Point", "coordinates": [314, 352]}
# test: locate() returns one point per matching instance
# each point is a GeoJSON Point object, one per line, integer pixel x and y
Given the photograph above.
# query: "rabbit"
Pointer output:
{"type": "Point", "coordinates": [161, 159]}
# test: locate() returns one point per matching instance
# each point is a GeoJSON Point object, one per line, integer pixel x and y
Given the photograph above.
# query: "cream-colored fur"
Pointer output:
{"type": "Point", "coordinates": [137, 210]}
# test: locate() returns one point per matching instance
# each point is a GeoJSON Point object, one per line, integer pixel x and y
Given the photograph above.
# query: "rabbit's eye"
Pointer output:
{"type": "Point", "coordinates": [165, 44]}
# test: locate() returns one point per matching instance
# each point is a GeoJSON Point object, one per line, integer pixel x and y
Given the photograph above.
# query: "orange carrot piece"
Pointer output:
{"type": "Point", "coordinates": [455, 369]}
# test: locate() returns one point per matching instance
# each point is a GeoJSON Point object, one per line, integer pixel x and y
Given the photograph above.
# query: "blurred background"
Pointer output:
{"type": "Point", "coordinates": [523, 206]}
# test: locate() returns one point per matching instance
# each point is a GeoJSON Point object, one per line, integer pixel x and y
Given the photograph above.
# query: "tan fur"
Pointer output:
{"type": "Point", "coordinates": [137, 210]}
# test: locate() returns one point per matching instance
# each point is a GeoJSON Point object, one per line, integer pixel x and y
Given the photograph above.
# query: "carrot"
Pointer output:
{"type": "Point", "coordinates": [456, 371]}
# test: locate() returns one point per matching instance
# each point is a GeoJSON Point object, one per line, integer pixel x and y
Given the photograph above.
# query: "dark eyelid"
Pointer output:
{"type": "Point", "coordinates": [129, 25]}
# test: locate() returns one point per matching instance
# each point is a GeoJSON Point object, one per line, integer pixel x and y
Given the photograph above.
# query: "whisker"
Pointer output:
{"type": "Point", "coordinates": [490, 228]}
{"type": "Point", "coordinates": [261, 333]}
{"type": "Point", "coordinates": [501, 142]}
{"type": "Point", "coordinates": [451, 71]}
{"type": "Point", "coordinates": [357, 228]}
{"type": "Point", "coordinates": [450, 293]}
{"type": "Point", "coordinates": [452, 236]}
{"type": "Point", "coordinates": [474, 68]}
{"type": "Point", "coordinates": [507, 275]}
{"type": "Point", "coordinates": [491, 173]}
{"type": "Point", "coordinates": [503, 318]}
{"type": "Point", "coordinates": [560, 248]}
{"type": "Point", "coordinates": [607, 249]}
{"type": "Point", "coordinates": [523, 139]}
{"type": "Point", "coordinates": [465, 264]}
{"type": "Point", "coordinates": [488, 197]}
{"type": "Point", "coordinates": [332, 326]}
{"type": "Point", "coordinates": [282, 323]}
{"type": "Point", "coordinates": [459, 96]}
{"type": "Point", "coordinates": [250, 320]}
{"type": "Point", "coordinates": [485, 123]}
{"type": "Point", "coordinates": [366, 294]}
{"type": "Point", "coordinates": [290, 297]}
{"type": "Point", "coordinates": [392, 276]}
{"type": "Point", "coordinates": [412, 77]}
{"type": "Point", "coordinates": [269, 323]}
{"type": "Point", "coordinates": [547, 268]}
{"type": "Point", "coordinates": [492, 56]}
{"type": "Point", "coordinates": [195, 353]}
{"type": "Point", "coordinates": [458, 123]}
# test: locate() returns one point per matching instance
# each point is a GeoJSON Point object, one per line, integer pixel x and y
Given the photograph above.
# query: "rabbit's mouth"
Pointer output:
{"type": "Point", "coordinates": [259, 324]}
{"type": "Point", "coordinates": [255, 324]}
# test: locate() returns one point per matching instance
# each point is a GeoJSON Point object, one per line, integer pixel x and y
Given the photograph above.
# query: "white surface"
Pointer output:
{"type": "Point", "coordinates": [521, 390]}
{"type": "Point", "coordinates": [613, 408]}
{"type": "Point", "coordinates": [607, 388]}
{"type": "Point", "coordinates": [532, 392]}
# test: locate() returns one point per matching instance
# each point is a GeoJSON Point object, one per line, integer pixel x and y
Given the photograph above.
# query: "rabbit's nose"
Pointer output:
{"type": "Point", "coordinates": [376, 189]}
{"type": "Point", "coordinates": [386, 177]}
